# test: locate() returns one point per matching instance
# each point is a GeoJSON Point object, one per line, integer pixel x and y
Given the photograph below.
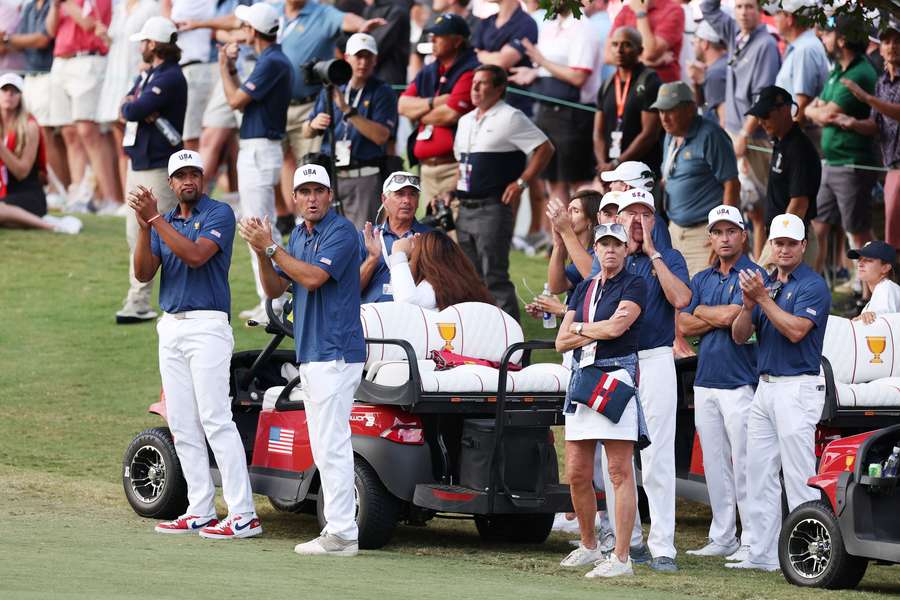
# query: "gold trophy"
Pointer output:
{"type": "Point", "coordinates": [877, 344]}
{"type": "Point", "coordinates": [448, 332]}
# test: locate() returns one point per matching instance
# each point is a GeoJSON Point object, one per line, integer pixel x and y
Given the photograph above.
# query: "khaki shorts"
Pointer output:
{"type": "Point", "coordinates": [693, 243]}
{"type": "Point", "coordinates": [200, 87]}
{"type": "Point", "coordinates": [218, 114]}
{"type": "Point", "coordinates": [36, 96]}
{"type": "Point", "coordinates": [436, 180]}
{"type": "Point", "coordinates": [300, 146]}
{"type": "Point", "coordinates": [76, 84]}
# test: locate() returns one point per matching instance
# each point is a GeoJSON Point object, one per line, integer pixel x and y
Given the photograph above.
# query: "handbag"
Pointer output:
{"type": "Point", "coordinates": [601, 392]}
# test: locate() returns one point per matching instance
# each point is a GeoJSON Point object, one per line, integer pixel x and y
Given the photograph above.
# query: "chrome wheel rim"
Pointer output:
{"type": "Point", "coordinates": [148, 474]}
{"type": "Point", "coordinates": [809, 548]}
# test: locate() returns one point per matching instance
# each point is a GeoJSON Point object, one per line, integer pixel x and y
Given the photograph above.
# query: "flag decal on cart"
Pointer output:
{"type": "Point", "coordinates": [281, 441]}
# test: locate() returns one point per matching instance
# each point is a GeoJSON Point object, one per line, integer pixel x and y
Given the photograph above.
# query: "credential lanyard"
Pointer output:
{"type": "Point", "coordinates": [355, 105]}
{"type": "Point", "coordinates": [621, 95]}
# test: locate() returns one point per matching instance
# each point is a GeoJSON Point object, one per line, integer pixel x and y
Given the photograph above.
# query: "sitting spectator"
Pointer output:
{"type": "Point", "coordinates": [876, 269]}
{"type": "Point", "coordinates": [661, 25]}
{"type": "Point", "coordinates": [430, 270]}
{"type": "Point", "coordinates": [707, 73]}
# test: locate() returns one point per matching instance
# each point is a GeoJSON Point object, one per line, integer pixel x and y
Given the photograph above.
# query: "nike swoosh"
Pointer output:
{"type": "Point", "coordinates": [239, 528]}
{"type": "Point", "coordinates": [201, 525]}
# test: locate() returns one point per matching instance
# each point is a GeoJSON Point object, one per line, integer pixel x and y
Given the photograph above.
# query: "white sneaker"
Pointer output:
{"type": "Point", "coordinates": [714, 549]}
{"type": "Point", "coordinates": [107, 208]}
{"type": "Point", "coordinates": [55, 201]}
{"type": "Point", "coordinates": [743, 553]}
{"type": "Point", "coordinates": [746, 564]}
{"type": "Point", "coordinates": [68, 224]}
{"type": "Point", "coordinates": [611, 566]}
{"type": "Point", "coordinates": [562, 523]}
{"type": "Point", "coordinates": [581, 556]}
{"type": "Point", "coordinates": [328, 544]}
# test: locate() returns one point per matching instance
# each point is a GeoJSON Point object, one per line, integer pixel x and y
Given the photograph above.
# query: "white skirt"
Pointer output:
{"type": "Point", "coordinates": [588, 424]}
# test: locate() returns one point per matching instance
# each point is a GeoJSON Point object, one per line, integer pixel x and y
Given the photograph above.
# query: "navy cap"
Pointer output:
{"type": "Point", "coordinates": [449, 24]}
{"type": "Point", "coordinates": [875, 249]}
{"type": "Point", "coordinates": [769, 98]}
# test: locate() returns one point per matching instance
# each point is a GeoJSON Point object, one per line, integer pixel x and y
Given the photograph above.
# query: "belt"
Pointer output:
{"type": "Point", "coordinates": [82, 53]}
{"type": "Point", "coordinates": [198, 314]}
{"type": "Point", "coordinates": [303, 100]}
{"type": "Point", "coordinates": [783, 378]}
{"type": "Point", "coordinates": [346, 173]}
{"type": "Point", "coordinates": [658, 351]}
{"type": "Point", "coordinates": [478, 202]}
{"type": "Point", "coordinates": [434, 161]}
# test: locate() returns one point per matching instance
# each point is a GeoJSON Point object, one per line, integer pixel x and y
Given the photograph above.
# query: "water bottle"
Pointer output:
{"type": "Point", "coordinates": [549, 318]}
{"type": "Point", "coordinates": [167, 129]}
{"type": "Point", "coordinates": [890, 465]}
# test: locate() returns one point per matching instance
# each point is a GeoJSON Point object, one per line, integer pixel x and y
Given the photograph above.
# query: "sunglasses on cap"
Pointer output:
{"type": "Point", "coordinates": [402, 179]}
{"type": "Point", "coordinates": [604, 229]}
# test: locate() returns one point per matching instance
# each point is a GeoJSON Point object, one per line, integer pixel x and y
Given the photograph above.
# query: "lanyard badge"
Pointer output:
{"type": "Point", "coordinates": [621, 90]}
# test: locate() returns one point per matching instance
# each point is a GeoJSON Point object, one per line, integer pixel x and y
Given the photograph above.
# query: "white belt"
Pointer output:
{"type": "Point", "coordinates": [360, 172]}
{"type": "Point", "coordinates": [784, 378]}
{"type": "Point", "coordinates": [651, 352]}
{"type": "Point", "coordinates": [198, 314]}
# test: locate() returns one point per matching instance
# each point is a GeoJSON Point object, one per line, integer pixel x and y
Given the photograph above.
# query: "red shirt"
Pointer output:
{"type": "Point", "coordinates": [460, 100]}
{"type": "Point", "coordinates": [70, 38]}
{"type": "Point", "coordinates": [667, 22]}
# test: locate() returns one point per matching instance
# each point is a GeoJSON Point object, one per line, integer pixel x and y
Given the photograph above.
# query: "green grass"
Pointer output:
{"type": "Point", "coordinates": [74, 389]}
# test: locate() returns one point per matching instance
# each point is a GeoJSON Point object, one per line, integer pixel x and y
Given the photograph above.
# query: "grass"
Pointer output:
{"type": "Point", "coordinates": [74, 389]}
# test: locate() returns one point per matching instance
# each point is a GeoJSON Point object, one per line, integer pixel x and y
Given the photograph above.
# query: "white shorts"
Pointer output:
{"type": "Point", "coordinates": [36, 96]}
{"type": "Point", "coordinates": [588, 424]}
{"type": "Point", "coordinates": [76, 83]}
{"type": "Point", "coordinates": [199, 78]}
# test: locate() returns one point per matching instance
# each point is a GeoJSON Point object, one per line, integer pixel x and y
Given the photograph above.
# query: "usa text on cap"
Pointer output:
{"type": "Point", "coordinates": [185, 158]}
{"type": "Point", "coordinates": [875, 249]}
{"type": "Point", "coordinates": [156, 29]}
{"type": "Point", "coordinates": [636, 196]}
{"type": "Point", "coordinates": [261, 16]}
{"type": "Point", "coordinates": [787, 226]}
{"type": "Point", "coordinates": [359, 42]}
{"type": "Point", "coordinates": [311, 173]}
{"type": "Point", "coordinates": [725, 213]}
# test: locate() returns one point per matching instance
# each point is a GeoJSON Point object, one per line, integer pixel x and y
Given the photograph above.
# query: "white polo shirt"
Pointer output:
{"type": "Point", "coordinates": [885, 298]}
{"type": "Point", "coordinates": [195, 45]}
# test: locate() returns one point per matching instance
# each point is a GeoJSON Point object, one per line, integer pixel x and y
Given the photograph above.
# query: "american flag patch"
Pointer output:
{"type": "Point", "coordinates": [156, 90]}
{"type": "Point", "coordinates": [281, 441]}
{"type": "Point", "coordinates": [250, 85]}
{"type": "Point", "coordinates": [215, 232]}
{"type": "Point", "coordinates": [326, 261]}
{"type": "Point", "coordinates": [812, 311]}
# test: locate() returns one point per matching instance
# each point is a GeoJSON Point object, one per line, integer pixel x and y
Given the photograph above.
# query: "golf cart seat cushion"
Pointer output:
{"type": "Point", "coordinates": [372, 373]}
{"type": "Point", "coordinates": [537, 378]}
{"type": "Point", "coordinates": [848, 347]}
{"type": "Point", "coordinates": [879, 393]}
{"type": "Point", "coordinates": [298, 394]}
{"type": "Point", "coordinates": [395, 320]}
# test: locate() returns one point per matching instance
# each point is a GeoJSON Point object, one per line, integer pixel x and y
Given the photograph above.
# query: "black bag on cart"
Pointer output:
{"type": "Point", "coordinates": [527, 457]}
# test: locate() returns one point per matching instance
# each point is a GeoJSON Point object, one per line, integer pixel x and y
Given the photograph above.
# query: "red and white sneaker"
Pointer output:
{"type": "Point", "coordinates": [234, 526]}
{"type": "Point", "coordinates": [187, 524]}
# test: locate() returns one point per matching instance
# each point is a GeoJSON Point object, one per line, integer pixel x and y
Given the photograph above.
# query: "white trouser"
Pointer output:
{"type": "Point", "coordinates": [331, 388]}
{"type": "Point", "coordinates": [720, 417]}
{"type": "Point", "coordinates": [781, 432]}
{"type": "Point", "coordinates": [259, 171]}
{"type": "Point", "coordinates": [194, 359]}
{"type": "Point", "coordinates": [609, 520]}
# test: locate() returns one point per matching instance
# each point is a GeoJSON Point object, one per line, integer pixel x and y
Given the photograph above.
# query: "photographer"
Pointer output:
{"type": "Point", "coordinates": [365, 117]}
{"type": "Point", "coordinates": [492, 145]}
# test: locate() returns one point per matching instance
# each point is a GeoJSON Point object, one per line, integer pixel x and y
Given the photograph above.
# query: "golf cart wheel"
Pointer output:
{"type": "Point", "coordinates": [151, 475]}
{"type": "Point", "coordinates": [293, 506]}
{"type": "Point", "coordinates": [377, 510]}
{"type": "Point", "coordinates": [811, 550]}
{"type": "Point", "coordinates": [516, 529]}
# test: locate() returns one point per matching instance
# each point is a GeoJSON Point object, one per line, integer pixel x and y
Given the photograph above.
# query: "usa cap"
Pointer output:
{"type": "Point", "coordinates": [311, 173]}
{"type": "Point", "coordinates": [156, 29]}
{"type": "Point", "coordinates": [636, 196]}
{"type": "Point", "coordinates": [725, 213]}
{"type": "Point", "coordinates": [185, 158]}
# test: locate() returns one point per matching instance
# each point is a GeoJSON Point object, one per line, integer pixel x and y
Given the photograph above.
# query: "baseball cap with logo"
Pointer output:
{"type": "Point", "coordinates": [725, 213]}
{"type": "Point", "coordinates": [399, 180]}
{"type": "Point", "coordinates": [359, 42]}
{"type": "Point", "coordinates": [12, 79]}
{"type": "Point", "coordinates": [311, 173]}
{"type": "Point", "coordinates": [787, 226]}
{"type": "Point", "coordinates": [185, 158]}
{"type": "Point", "coordinates": [261, 16]}
{"type": "Point", "coordinates": [636, 196]}
{"type": "Point", "coordinates": [633, 172]}
{"type": "Point", "coordinates": [671, 95]}
{"type": "Point", "coordinates": [156, 29]}
{"type": "Point", "coordinates": [706, 32]}
{"type": "Point", "coordinates": [875, 249]}
{"type": "Point", "coordinates": [449, 24]}
{"type": "Point", "coordinates": [769, 99]}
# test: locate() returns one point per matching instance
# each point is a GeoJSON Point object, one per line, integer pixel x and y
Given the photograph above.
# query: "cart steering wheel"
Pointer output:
{"type": "Point", "coordinates": [280, 323]}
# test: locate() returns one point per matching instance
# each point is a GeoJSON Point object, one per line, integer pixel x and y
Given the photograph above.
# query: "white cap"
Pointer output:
{"type": "Point", "coordinates": [636, 196]}
{"type": "Point", "coordinates": [706, 32]}
{"type": "Point", "coordinates": [156, 29]}
{"type": "Point", "coordinates": [613, 230]}
{"type": "Point", "coordinates": [261, 16]}
{"type": "Point", "coordinates": [792, 6]}
{"type": "Point", "coordinates": [725, 213]}
{"type": "Point", "coordinates": [787, 226]}
{"type": "Point", "coordinates": [185, 158]}
{"type": "Point", "coordinates": [12, 79]}
{"type": "Point", "coordinates": [403, 179]}
{"type": "Point", "coordinates": [310, 173]}
{"type": "Point", "coordinates": [610, 198]}
{"type": "Point", "coordinates": [634, 173]}
{"type": "Point", "coordinates": [359, 42]}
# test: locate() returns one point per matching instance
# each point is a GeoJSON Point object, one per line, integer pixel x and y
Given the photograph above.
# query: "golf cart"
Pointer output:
{"type": "Point", "coordinates": [428, 440]}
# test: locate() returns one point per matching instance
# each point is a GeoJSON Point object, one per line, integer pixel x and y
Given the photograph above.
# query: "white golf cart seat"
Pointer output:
{"type": "Point", "coordinates": [864, 361]}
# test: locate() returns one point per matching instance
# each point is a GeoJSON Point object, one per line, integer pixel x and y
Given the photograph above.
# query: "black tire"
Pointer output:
{"type": "Point", "coordinates": [151, 475]}
{"type": "Point", "coordinates": [515, 529]}
{"type": "Point", "coordinates": [377, 510]}
{"type": "Point", "coordinates": [811, 550]}
{"type": "Point", "coordinates": [293, 506]}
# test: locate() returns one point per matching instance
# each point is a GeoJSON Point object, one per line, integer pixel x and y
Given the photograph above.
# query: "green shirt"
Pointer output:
{"type": "Point", "coordinates": [840, 146]}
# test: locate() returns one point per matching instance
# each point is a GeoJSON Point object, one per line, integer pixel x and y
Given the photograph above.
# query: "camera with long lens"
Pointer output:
{"type": "Point", "coordinates": [326, 72]}
{"type": "Point", "coordinates": [441, 219]}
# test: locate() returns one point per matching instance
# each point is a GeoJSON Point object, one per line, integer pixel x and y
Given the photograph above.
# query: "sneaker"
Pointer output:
{"type": "Point", "coordinates": [562, 522]}
{"type": "Point", "coordinates": [747, 564]}
{"type": "Point", "coordinates": [607, 541]}
{"type": "Point", "coordinates": [581, 556]}
{"type": "Point", "coordinates": [640, 554]}
{"type": "Point", "coordinates": [55, 201]}
{"type": "Point", "coordinates": [68, 224]}
{"type": "Point", "coordinates": [714, 549]}
{"type": "Point", "coordinates": [108, 208]}
{"type": "Point", "coordinates": [743, 553]}
{"type": "Point", "coordinates": [328, 544]}
{"type": "Point", "coordinates": [186, 524]}
{"type": "Point", "coordinates": [660, 564]}
{"type": "Point", "coordinates": [519, 243]}
{"type": "Point", "coordinates": [611, 566]}
{"type": "Point", "coordinates": [131, 314]}
{"type": "Point", "coordinates": [235, 526]}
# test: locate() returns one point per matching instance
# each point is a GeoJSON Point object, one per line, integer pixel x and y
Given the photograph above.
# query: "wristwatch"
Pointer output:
{"type": "Point", "coordinates": [655, 256]}
{"type": "Point", "coordinates": [578, 328]}
{"type": "Point", "coordinates": [521, 183]}
{"type": "Point", "coordinates": [271, 250]}
{"type": "Point", "coordinates": [351, 113]}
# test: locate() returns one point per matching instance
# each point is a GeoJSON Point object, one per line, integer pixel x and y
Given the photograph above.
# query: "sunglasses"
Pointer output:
{"type": "Point", "coordinates": [604, 229]}
{"type": "Point", "coordinates": [401, 179]}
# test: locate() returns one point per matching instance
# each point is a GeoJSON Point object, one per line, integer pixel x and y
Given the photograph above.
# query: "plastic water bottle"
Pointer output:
{"type": "Point", "coordinates": [890, 465]}
{"type": "Point", "coordinates": [549, 318]}
{"type": "Point", "coordinates": [167, 129]}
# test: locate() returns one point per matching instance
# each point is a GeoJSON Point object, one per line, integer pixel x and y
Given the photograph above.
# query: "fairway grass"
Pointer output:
{"type": "Point", "coordinates": [74, 389]}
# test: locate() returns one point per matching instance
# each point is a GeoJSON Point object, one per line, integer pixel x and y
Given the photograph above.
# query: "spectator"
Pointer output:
{"type": "Point", "coordinates": [459, 8]}
{"type": "Point", "coordinates": [79, 64]}
{"type": "Point", "coordinates": [493, 145]}
{"type": "Point", "coordinates": [876, 270]}
{"type": "Point", "coordinates": [400, 199]}
{"type": "Point", "coordinates": [392, 39]}
{"type": "Point", "coordinates": [162, 92]}
{"type": "Point", "coordinates": [436, 99]}
{"type": "Point", "coordinates": [661, 25]}
{"type": "Point", "coordinates": [19, 218]}
{"type": "Point", "coordinates": [573, 226]}
{"type": "Point", "coordinates": [365, 118]}
{"type": "Point", "coordinates": [598, 18]}
{"type": "Point", "coordinates": [885, 123]}
{"type": "Point", "coordinates": [260, 97]}
{"type": "Point", "coordinates": [631, 175]}
{"type": "Point", "coordinates": [21, 150]}
{"type": "Point", "coordinates": [699, 171]}
{"type": "Point", "coordinates": [793, 177]}
{"type": "Point", "coordinates": [753, 65]}
{"type": "Point", "coordinates": [625, 128]}
{"type": "Point", "coordinates": [845, 194]}
{"type": "Point", "coordinates": [708, 72]}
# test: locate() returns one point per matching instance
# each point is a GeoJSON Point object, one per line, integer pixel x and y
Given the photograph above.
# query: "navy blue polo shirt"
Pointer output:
{"type": "Point", "coordinates": [326, 322]}
{"type": "Point", "coordinates": [163, 91]}
{"type": "Point", "coordinates": [721, 363]}
{"type": "Point", "coordinates": [659, 315]}
{"type": "Point", "coordinates": [489, 37]}
{"type": "Point", "coordinates": [377, 102]}
{"type": "Point", "coordinates": [182, 288]}
{"type": "Point", "coordinates": [623, 286]}
{"type": "Point", "coordinates": [378, 288]}
{"type": "Point", "coordinates": [266, 115]}
{"type": "Point", "coordinates": [804, 295]}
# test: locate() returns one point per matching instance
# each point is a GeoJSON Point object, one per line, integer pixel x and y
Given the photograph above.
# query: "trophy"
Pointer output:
{"type": "Point", "coordinates": [876, 344]}
{"type": "Point", "coordinates": [448, 332]}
